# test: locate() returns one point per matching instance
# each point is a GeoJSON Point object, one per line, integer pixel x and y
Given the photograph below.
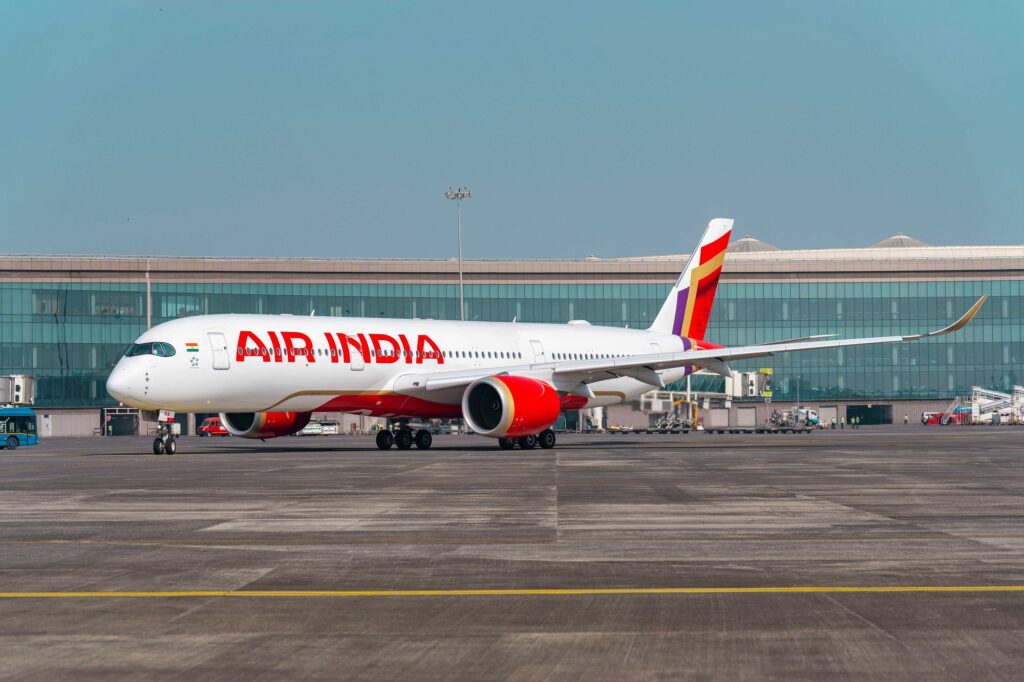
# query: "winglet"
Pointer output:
{"type": "Point", "coordinates": [959, 324]}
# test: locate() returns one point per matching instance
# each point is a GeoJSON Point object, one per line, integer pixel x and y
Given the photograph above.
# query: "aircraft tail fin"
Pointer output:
{"type": "Point", "coordinates": [688, 307]}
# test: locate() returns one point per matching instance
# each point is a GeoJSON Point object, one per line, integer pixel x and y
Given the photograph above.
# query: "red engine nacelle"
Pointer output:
{"type": "Point", "coordinates": [509, 406]}
{"type": "Point", "coordinates": [264, 424]}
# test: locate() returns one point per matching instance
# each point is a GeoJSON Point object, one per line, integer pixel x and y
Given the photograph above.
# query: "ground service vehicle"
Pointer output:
{"type": "Point", "coordinates": [211, 426]}
{"type": "Point", "coordinates": [807, 417]}
{"type": "Point", "coordinates": [961, 415]}
{"type": "Point", "coordinates": [799, 420]}
{"type": "Point", "coordinates": [266, 374]}
{"type": "Point", "coordinates": [311, 429]}
{"type": "Point", "coordinates": [17, 427]}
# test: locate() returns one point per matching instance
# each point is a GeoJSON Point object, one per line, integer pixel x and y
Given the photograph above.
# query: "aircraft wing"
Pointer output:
{"type": "Point", "coordinates": [570, 373]}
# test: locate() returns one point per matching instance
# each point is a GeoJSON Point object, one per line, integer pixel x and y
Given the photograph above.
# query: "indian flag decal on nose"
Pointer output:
{"type": "Point", "coordinates": [192, 347]}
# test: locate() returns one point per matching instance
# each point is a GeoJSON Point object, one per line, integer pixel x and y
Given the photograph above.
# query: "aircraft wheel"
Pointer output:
{"type": "Point", "coordinates": [385, 440]}
{"type": "Point", "coordinates": [546, 439]}
{"type": "Point", "coordinates": [12, 443]}
{"type": "Point", "coordinates": [403, 439]}
{"type": "Point", "coordinates": [506, 443]}
{"type": "Point", "coordinates": [423, 439]}
{"type": "Point", "coordinates": [170, 447]}
{"type": "Point", "coordinates": [158, 446]}
{"type": "Point", "coordinates": [527, 442]}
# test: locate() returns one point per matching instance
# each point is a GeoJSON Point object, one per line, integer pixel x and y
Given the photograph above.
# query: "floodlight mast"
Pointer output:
{"type": "Point", "coordinates": [457, 195]}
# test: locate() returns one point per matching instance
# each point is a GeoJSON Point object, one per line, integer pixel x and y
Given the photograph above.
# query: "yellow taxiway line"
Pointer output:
{"type": "Point", "coordinates": [540, 592]}
{"type": "Point", "coordinates": [342, 539]}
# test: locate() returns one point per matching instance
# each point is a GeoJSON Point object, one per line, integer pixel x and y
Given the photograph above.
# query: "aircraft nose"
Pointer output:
{"type": "Point", "coordinates": [119, 385]}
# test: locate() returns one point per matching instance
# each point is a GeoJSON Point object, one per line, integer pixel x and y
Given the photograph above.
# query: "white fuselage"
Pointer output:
{"type": "Point", "coordinates": [255, 363]}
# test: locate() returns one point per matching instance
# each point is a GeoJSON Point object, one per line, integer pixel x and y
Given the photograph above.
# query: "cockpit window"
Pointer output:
{"type": "Point", "coordinates": [158, 348]}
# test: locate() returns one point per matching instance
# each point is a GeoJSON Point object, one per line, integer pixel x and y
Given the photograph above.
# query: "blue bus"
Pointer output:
{"type": "Point", "coordinates": [17, 427]}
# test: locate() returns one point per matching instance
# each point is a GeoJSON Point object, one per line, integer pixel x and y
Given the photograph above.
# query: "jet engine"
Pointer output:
{"type": "Point", "coordinates": [264, 424]}
{"type": "Point", "coordinates": [510, 406]}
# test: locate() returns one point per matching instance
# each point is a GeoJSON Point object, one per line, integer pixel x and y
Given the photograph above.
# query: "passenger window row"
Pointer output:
{"type": "Point", "coordinates": [588, 356]}
{"type": "Point", "coordinates": [162, 349]}
{"type": "Point", "coordinates": [460, 354]}
{"type": "Point", "coordinates": [334, 352]}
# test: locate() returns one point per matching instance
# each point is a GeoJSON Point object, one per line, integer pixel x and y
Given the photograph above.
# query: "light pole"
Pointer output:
{"type": "Point", "coordinates": [457, 195]}
{"type": "Point", "coordinates": [798, 391]}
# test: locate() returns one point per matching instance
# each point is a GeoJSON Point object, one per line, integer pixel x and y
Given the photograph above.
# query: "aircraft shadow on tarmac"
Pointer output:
{"type": "Point", "coordinates": [699, 443]}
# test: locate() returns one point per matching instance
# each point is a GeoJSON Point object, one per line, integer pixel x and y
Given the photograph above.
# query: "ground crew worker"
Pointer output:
{"type": "Point", "coordinates": [842, 422]}
{"type": "Point", "coordinates": [833, 423]}
{"type": "Point", "coordinates": [905, 420]}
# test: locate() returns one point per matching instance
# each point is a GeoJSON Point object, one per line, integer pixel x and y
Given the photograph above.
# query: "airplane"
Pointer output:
{"type": "Point", "coordinates": [266, 374]}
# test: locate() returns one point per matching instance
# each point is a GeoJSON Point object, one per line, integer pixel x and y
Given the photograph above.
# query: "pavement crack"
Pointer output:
{"type": "Point", "coordinates": [866, 621]}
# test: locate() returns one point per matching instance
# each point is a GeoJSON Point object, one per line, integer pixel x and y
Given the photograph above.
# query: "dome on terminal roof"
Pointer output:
{"type": "Point", "coordinates": [749, 245]}
{"type": "Point", "coordinates": [898, 241]}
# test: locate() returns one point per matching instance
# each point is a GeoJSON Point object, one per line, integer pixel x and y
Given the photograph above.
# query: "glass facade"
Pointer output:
{"type": "Point", "coordinates": [988, 352]}
{"type": "Point", "coordinates": [69, 334]}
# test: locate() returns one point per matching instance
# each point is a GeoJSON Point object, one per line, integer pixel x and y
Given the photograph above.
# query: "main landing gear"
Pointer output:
{"type": "Point", "coordinates": [164, 443]}
{"type": "Point", "coordinates": [545, 439]}
{"type": "Point", "coordinates": [404, 439]}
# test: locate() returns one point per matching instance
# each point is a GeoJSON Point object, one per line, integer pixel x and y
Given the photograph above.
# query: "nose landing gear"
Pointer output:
{"type": "Point", "coordinates": [164, 443]}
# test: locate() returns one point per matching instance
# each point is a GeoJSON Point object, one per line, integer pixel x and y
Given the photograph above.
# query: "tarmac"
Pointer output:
{"type": "Point", "coordinates": [885, 552]}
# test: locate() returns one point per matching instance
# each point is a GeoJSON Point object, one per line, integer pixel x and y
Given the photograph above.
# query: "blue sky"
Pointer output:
{"type": "Point", "coordinates": [332, 129]}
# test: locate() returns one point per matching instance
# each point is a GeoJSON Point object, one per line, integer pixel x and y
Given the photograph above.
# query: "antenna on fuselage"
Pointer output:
{"type": "Point", "coordinates": [312, 313]}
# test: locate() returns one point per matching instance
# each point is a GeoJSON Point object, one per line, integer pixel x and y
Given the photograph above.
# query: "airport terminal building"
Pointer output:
{"type": "Point", "coordinates": [66, 319]}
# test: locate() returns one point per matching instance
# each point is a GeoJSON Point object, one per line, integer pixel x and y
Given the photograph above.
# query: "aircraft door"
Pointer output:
{"type": "Point", "coordinates": [538, 351]}
{"type": "Point", "coordinates": [219, 345]}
